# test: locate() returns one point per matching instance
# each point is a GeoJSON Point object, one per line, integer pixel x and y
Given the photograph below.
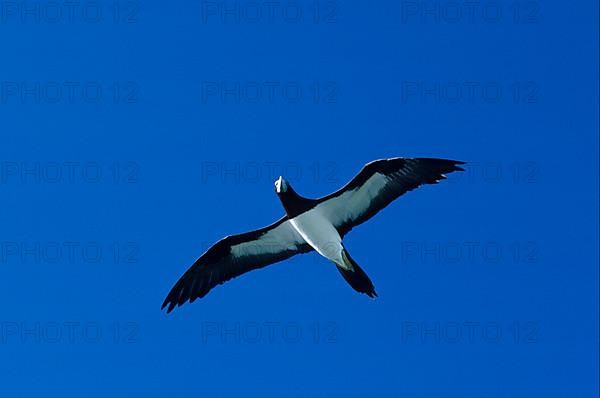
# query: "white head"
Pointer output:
{"type": "Point", "coordinates": [280, 185]}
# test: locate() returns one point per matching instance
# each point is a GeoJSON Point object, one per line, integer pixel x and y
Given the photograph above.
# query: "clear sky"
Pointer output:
{"type": "Point", "coordinates": [134, 135]}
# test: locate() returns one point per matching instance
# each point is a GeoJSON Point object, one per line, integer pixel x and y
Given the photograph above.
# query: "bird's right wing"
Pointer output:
{"type": "Point", "coordinates": [233, 256]}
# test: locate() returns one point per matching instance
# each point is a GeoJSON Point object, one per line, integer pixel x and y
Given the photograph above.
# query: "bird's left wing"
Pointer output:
{"type": "Point", "coordinates": [233, 256]}
{"type": "Point", "coordinates": [377, 185]}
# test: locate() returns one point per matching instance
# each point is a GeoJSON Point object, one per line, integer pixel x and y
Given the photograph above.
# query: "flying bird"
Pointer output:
{"type": "Point", "coordinates": [311, 224]}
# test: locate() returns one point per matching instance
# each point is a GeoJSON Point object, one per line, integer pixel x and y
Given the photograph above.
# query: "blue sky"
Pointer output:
{"type": "Point", "coordinates": [135, 135]}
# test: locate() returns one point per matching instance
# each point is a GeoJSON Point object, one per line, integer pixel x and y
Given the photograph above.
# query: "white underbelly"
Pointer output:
{"type": "Point", "coordinates": [320, 234]}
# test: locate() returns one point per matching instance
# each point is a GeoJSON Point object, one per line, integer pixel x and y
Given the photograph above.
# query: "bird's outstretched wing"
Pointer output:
{"type": "Point", "coordinates": [377, 185]}
{"type": "Point", "coordinates": [233, 256]}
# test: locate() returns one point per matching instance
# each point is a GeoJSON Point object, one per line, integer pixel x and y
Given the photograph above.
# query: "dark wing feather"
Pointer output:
{"type": "Point", "coordinates": [233, 256]}
{"type": "Point", "coordinates": [378, 184]}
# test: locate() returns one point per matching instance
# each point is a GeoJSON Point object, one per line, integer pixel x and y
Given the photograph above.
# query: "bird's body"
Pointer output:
{"type": "Point", "coordinates": [320, 234]}
{"type": "Point", "coordinates": [311, 224]}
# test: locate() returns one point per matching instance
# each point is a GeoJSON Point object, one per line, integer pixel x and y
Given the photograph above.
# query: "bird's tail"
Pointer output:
{"type": "Point", "coordinates": [356, 277]}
